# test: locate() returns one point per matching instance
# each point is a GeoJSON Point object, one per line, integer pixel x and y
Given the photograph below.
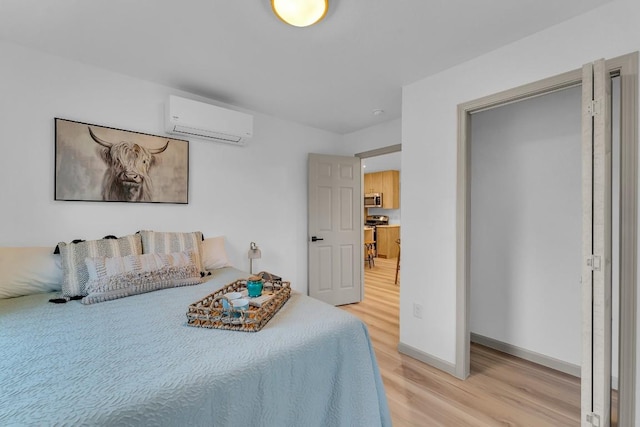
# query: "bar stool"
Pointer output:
{"type": "Point", "coordinates": [369, 252]}
{"type": "Point", "coordinates": [398, 264]}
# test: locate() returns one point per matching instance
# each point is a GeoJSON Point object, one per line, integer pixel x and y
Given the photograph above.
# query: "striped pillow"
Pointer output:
{"type": "Point", "coordinates": [168, 242]}
{"type": "Point", "coordinates": [119, 277]}
{"type": "Point", "coordinates": [74, 270]}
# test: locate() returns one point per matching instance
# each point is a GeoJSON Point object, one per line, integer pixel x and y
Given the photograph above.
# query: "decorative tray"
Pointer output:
{"type": "Point", "coordinates": [209, 312]}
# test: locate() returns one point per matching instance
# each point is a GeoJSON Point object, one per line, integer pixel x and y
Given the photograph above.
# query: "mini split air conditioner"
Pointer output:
{"type": "Point", "coordinates": [196, 119]}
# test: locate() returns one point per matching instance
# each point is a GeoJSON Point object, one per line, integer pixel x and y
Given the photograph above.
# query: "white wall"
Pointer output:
{"type": "Point", "coordinates": [526, 225]}
{"type": "Point", "coordinates": [429, 155]}
{"type": "Point", "coordinates": [378, 136]}
{"type": "Point", "coordinates": [390, 161]}
{"type": "Point", "coordinates": [253, 193]}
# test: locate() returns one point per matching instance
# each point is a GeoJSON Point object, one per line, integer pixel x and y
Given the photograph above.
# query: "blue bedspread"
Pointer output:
{"type": "Point", "coordinates": [133, 361]}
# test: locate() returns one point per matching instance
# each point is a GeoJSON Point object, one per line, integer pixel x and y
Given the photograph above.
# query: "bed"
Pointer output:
{"type": "Point", "coordinates": [134, 361]}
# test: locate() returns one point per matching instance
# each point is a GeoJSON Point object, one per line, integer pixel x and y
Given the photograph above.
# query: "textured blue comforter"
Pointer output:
{"type": "Point", "coordinates": [133, 361]}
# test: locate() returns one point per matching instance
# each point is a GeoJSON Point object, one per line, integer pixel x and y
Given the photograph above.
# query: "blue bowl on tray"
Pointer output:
{"type": "Point", "coordinates": [230, 296]}
{"type": "Point", "coordinates": [240, 304]}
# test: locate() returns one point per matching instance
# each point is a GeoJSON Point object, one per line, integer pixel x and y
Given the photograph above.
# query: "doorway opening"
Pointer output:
{"type": "Point", "coordinates": [626, 68]}
{"type": "Point", "coordinates": [382, 171]}
{"type": "Point", "coordinates": [526, 234]}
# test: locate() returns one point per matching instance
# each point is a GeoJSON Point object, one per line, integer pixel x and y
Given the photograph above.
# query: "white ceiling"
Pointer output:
{"type": "Point", "coordinates": [330, 76]}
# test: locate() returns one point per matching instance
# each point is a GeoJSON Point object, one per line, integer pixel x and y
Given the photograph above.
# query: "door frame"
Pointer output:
{"type": "Point", "coordinates": [380, 151]}
{"type": "Point", "coordinates": [389, 149]}
{"type": "Point", "coordinates": [626, 67]}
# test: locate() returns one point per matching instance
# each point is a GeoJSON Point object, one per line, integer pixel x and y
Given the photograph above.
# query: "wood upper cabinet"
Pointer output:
{"type": "Point", "coordinates": [390, 189]}
{"type": "Point", "coordinates": [387, 183]}
{"type": "Point", "coordinates": [373, 182]}
{"type": "Point", "coordinates": [386, 237]}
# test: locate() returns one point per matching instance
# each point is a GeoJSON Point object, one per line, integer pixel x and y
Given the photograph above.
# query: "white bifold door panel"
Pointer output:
{"type": "Point", "coordinates": [596, 270]}
{"type": "Point", "coordinates": [335, 229]}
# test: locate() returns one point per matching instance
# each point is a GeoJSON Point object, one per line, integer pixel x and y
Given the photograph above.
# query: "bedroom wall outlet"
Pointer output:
{"type": "Point", "coordinates": [417, 310]}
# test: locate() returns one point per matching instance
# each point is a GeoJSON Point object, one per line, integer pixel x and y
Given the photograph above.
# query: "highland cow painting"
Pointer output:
{"type": "Point", "coordinates": [97, 163]}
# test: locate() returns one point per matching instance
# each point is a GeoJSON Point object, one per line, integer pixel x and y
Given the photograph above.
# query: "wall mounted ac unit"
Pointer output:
{"type": "Point", "coordinates": [197, 119]}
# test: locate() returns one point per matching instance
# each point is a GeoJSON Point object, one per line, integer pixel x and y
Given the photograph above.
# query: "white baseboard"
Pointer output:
{"type": "Point", "coordinates": [430, 360]}
{"type": "Point", "coordinates": [532, 356]}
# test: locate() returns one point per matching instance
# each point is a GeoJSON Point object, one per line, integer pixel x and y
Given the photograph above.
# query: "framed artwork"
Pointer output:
{"type": "Point", "coordinates": [97, 163]}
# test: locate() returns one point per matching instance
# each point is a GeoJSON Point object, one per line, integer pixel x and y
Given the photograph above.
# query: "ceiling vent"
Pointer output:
{"type": "Point", "coordinates": [205, 121]}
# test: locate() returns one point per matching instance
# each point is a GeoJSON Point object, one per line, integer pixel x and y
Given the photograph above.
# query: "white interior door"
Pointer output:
{"type": "Point", "coordinates": [335, 229]}
{"type": "Point", "coordinates": [596, 273]}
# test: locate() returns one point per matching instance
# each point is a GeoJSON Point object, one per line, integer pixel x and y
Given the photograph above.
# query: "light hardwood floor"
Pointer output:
{"type": "Point", "coordinates": [502, 390]}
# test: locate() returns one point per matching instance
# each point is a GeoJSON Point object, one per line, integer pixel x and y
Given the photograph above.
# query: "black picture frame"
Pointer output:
{"type": "Point", "coordinates": [104, 164]}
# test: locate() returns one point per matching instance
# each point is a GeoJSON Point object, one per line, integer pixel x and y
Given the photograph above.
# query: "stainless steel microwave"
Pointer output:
{"type": "Point", "coordinates": [373, 200]}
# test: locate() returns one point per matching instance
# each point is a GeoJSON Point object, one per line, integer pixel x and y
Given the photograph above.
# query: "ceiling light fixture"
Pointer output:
{"type": "Point", "coordinates": [300, 13]}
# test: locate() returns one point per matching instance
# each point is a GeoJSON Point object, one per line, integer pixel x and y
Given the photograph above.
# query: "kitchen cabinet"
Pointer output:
{"type": "Point", "coordinates": [373, 182]}
{"type": "Point", "coordinates": [387, 183]}
{"type": "Point", "coordinates": [386, 236]}
{"type": "Point", "coordinates": [390, 189]}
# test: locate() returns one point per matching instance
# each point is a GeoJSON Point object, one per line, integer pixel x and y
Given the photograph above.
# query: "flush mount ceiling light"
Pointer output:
{"type": "Point", "coordinates": [300, 13]}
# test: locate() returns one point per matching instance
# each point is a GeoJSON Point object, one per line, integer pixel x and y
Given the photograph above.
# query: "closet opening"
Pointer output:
{"type": "Point", "coordinates": [623, 74]}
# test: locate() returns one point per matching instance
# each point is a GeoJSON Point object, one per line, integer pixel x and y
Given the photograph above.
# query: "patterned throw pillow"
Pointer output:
{"type": "Point", "coordinates": [167, 242]}
{"type": "Point", "coordinates": [120, 277]}
{"type": "Point", "coordinates": [74, 270]}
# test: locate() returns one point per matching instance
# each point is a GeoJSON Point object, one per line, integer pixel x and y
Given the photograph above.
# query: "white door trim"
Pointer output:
{"type": "Point", "coordinates": [627, 68]}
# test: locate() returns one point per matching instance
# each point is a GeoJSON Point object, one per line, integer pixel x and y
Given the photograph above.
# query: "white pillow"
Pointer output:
{"type": "Point", "coordinates": [29, 270]}
{"type": "Point", "coordinates": [214, 255]}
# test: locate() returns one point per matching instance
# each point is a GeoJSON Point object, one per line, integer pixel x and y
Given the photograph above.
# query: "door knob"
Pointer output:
{"type": "Point", "coordinates": [315, 239]}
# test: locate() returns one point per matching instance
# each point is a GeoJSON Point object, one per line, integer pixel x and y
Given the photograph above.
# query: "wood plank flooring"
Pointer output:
{"type": "Point", "coordinates": [502, 390]}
